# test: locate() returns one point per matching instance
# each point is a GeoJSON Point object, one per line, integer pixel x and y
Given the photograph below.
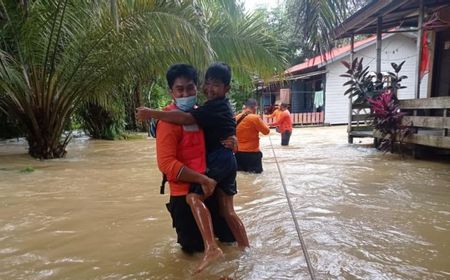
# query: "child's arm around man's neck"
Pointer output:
{"type": "Point", "coordinates": [175, 116]}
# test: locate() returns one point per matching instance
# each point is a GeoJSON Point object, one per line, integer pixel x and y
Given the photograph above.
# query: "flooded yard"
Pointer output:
{"type": "Point", "coordinates": [98, 214]}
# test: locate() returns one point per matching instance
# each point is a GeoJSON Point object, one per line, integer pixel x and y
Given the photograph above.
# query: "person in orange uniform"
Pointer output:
{"type": "Point", "coordinates": [218, 122]}
{"type": "Point", "coordinates": [275, 113]}
{"type": "Point", "coordinates": [248, 127]}
{"type": "Point", "coordinates": [284, 124]}
{"type": "Point", "coordinates": [181, 156]}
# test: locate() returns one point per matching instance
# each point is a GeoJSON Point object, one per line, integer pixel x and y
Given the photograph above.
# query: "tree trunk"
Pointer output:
{"type": "Point", "coordinates": [138, 102]}
{"type": "Point", "coordinates": [42, 148]}
{"type": "Point", "coordinates": [115, 14]}
{"type": "Point", "coordinates": [45, 138]}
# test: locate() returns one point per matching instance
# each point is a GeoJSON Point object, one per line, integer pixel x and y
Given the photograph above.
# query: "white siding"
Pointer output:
{"type": "Point", "coordinates": [336, 104]}
{"type": "Point", "coordinates": [394, 49]}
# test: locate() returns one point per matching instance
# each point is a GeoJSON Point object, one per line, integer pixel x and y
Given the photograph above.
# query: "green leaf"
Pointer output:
{"type": "Point", "coordinates": [348, 83]}
{"type": "Point", "coordinates": [400, 66]}
{"type": "Point", "coordinates": [394, 65]}
{"type": "Point", "coordinates": [348, 91]}
{"type": "Point", "coordinates": [346, 64]}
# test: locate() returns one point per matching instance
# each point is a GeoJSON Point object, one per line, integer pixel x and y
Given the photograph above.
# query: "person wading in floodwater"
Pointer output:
{"type": "Point", "coordinates": [248, 127]}
{"type": "Point", "coordinates": [181, 156]}
{"type": "Point", "coordinates": [284, 124]}
{"type": "Point", "coordinates": [216, 118]}
{"type": "Point", "coordinates": [275, 114]}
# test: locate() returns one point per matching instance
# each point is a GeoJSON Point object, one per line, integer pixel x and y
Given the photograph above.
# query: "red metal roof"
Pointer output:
{"type": "Point", "coordinates": [328, 56]}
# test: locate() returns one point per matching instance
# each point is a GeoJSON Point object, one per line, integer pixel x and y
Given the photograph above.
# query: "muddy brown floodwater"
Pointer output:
{"type": "Point", "coordinates": [98, 214]}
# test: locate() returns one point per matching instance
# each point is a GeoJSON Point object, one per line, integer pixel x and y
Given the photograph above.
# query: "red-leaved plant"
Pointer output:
{"type": "Point", "coordinates": [388, 120]}
{"type": "Point", "coordinates": [380, 91]}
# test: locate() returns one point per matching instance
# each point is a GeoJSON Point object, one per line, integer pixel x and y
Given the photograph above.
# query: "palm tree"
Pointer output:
{"type": "Point", "coordinates": [243, 41]}
{"type": "Point", "coordinates": [314, 20]}
{"type": "Point", "coordinates": [56, 54]}
{"type": "Point", "coordinates": [235, 37]}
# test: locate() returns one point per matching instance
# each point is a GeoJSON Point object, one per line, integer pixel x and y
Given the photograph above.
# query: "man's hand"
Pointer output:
{"type": "Point", "coordinates": [208, 186]}
{"type": "Point", "coordinates": [231, 143]}
{"type": "Point", "coordinates": [141, 114]}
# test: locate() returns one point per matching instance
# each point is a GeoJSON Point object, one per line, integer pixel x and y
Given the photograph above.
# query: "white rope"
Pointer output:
{"type": "Point", "coordinates": [297, 227]}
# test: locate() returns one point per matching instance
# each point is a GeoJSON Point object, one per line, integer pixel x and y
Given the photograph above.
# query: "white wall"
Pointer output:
{"type": "Point", "coordinates": [396, 48]}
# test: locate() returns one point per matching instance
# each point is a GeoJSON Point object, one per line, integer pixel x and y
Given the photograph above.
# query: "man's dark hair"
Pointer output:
{"type": "Point", "coordinates": [284, 105]}
{"type": "Point", "coordinates": [251, 103]}
{"type": "Point", "coordinates": [181, 70]}
{"type": "Point", "coordinates": [219, 71]}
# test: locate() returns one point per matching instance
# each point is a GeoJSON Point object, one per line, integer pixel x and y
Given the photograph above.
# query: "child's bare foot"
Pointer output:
{"type": "Point", "coordinates": [208, 258]}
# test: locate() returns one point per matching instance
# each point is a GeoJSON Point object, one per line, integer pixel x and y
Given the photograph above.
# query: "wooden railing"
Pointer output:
{"type": "Point", "coordinates": [361, 122]}
{"type": "Point", "coordinates": [303, 118]}
{"type": "Point", "coordinates": [430, 119]}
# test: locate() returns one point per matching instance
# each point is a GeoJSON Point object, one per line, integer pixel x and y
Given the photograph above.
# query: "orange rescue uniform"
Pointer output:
{"type": "Point", "coordinates": [284, 121]}
{"type": "Point", "coordinates": [178, 146]}
{"type": "Point", "coordinates": [247, 132]}
{"type": "Point", "coordinates": [275, 114]}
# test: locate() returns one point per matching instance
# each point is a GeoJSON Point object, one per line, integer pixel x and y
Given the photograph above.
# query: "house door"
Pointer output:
{"type": "Point", "coordinates": [441, 80]}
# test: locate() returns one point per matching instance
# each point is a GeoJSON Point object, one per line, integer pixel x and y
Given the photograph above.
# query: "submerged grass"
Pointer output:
{"type": "Point", "coordinates": [27, 169]}
{"type": "Point", "coordinates": [133, 136]}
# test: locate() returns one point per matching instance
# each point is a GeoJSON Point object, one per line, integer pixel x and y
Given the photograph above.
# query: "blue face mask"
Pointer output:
{"type": "Point", "coordinates": [186, 104]}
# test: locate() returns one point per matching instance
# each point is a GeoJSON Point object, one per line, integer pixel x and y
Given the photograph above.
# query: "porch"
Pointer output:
{"type": "Point", "coordinates": [431, 21]}
{"type": "Point", "coordinates": [431, 121]}
{"type": "Point", "coordinates": [304, 93]}
{"type": "Point", "coordinates": [311, 118]}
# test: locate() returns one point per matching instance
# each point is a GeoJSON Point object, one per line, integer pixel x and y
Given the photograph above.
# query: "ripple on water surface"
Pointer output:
{"type": "Point", "coordinates": [97, 214]}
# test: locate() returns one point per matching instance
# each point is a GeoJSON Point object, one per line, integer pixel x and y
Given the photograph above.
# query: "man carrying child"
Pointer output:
{"type": "Point", "coordinates": [217, 120]}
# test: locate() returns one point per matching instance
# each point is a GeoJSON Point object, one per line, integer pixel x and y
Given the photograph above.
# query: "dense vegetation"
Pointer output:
{"type": "Point", "coordinates": [306, 26]}
{"type": "Point", "coordinates": [68, 64]}
{"type": "Point", "coordinates": [92, 62]}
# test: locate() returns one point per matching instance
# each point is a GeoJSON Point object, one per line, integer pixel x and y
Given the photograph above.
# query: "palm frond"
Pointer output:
{"type": "Point", "coordinates": [59, 53]}
{"type": "Point", "coordinates": [315, 19]}
{"type": "Point", "coordinates": [242, 41]}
